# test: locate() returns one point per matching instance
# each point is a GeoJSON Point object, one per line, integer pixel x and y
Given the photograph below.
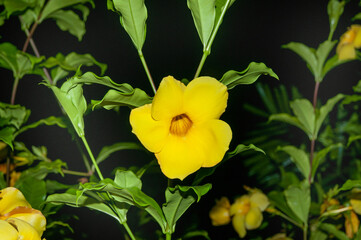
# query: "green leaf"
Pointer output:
{"type": "Point", "coordinates": [28, 186]}
{"type": "Point", "coordinates": [351, 139]}
{"type": "Point", "coordinates": [7, 136]}
{"type": "Point", "coordinates": [69, 21]}
{"type": "Point", "coordinates": [73, 102]}
{"type": "Point", "coordinates": [2, 181]}
{"type": "Point", "coordinates": [179, 199]}
{"type": "Point", "coordinates": [15, 6]}
{"type": "Point", "coordinates": [278, 200]}
{"type": "Point", "coordinates": [203, 13]}
{"type": "Point", "coordinates": [306, 53]}
{"type": "Point", "coordinates": [91, 78]}
{"type": "Point", "coordinates": [133, 16]}
{"type": "Point", "coordinates": [299, 157]}
{"type": "Point", "coordinates": [220, 5]}
{"type": "Point", "coordinates": [55, 5]}
{"type": "Point", "coordinates": [299, 200]}
{"type": "Point", "coordinates": [325, 110]}
{"type": "Point", "coordinates": [106, 151]}
{"type": "Point", "coordinates": [332, 63]}
{"type": "Point", "coordinates": [127, 179]}
{"type": "Point", "coordinates": [334, 10]}
{"type": "Point", "coordinates": [286, 118]}
{"type": "Point", "coordinates": [41, 170]}
{"type": "Point", "coordinates": [332, 229]}
{"type": "Point", "coordinates": [205, 172]}
{"type": "Point", "coordinates": [357, 88]}
{"type": "Point", "coordinates": [248, 76]}
{"type": "Point", "coordinates": [47, 121]}
{"type": "Point", "coordinates": [350, 184]}
{"type": "Point", "coordinates": [53, 186]}
{"type": "Point", "coordinates": [303, 110]}
{"type": "Point", "coordinates": [322, 154]}
{"type": "Point", "coordinates": [115, 98]}
{"type": "Point", "coordinates": [196, 233]}
{"type": "Point", "coordinates": [322, 53]}
{"type": "Point", "coordinates": [318, 235]}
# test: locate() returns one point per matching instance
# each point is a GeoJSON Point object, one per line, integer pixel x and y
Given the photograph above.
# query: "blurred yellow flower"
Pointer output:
{"type": "Point", "coordinates": [279, 236]}
{"type": "Point", "coordinates": [17, 219]}
{"type": "Point", "coordinates": [356, 205]}
{"type": "Point", "coordinates": [349, 41]}
{"type": "Point", "coordinates": [182, 125]}
{"type": "Point", "coordinates": [352, 224]}
{"type": "Point", "coordinates": [220, 214]}
{"type": "Point", "coordinates": [247, 212]}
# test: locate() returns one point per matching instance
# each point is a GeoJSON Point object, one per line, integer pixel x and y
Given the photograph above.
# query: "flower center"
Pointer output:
{"type": "Point", "coordinates": [180, 125]}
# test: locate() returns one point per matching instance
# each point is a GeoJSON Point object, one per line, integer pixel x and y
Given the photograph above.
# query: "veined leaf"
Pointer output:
{"type": "Point", "coordinates": [299, 200]}
{"type": "Point", "coordinates": [247, 76]}
{"type": "Point", "coordinates": [74, 104]}
{"type": "Point", "coordinates": [203, 13]}
{"type": "Point", "coordinates": [133, 16]}
{"type": "Point", "coordinates": [179, 199]}
{"type": "Point", "coordinates": [127, 179]}
{"type": "Point", "coordinates": [299, 157]}
{"type": "Point", "coordinates": [55, 5]}
{"type": "Point", "coordinates": [306, 53]}
{"type": "Point", "coordinates": [303, 110]}
{"type": "Point", "coordinates": [115, 98]}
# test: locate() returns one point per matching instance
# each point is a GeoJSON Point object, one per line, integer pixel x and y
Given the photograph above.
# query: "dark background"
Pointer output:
{"type": "Point", "coordinates": [252, 30]}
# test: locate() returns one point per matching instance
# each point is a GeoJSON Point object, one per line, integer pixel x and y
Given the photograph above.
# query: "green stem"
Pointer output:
{"type": "Point", "coordinates": [130, 233]}
{"type": "Point", "coordinates": [92, 158]}
{"type": "Point", "coordinates": [168, 236]}
{"type": "Point", "coordinates": [305, 228]}
{"type": "Point", "coordinates": [13, 93]}
{"type": "Point", "coordinates": [145, 66]}
{"type": "Point", "coordinates": [207, 49]}
{"type": "Point", "coordinates": [76, 173]}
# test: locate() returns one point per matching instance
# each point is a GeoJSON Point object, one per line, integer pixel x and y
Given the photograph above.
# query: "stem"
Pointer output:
{"type": "Point", "coordinates": [315, 93]}
{"type": "Point", "coordinates": [29, 36]}
{"type": "Point", "coordinates": [145, 66]}
{"type": "Point", "coordinates": [168, 236]}
{"type": "Point", "coordinates": [207, 49]}
{"type": "Point", "coordinates": [305, 228]}
{"type": "Point", "coordinates": [313, 141]}
{"type": "Point", "coordinates": [92, 158]}
{"type": "Point", "coordinates": [13, 93]}
{"type": "Point", "coordinates": [76, 173]}
{"type": "Point", "coordinates": [128, 231]}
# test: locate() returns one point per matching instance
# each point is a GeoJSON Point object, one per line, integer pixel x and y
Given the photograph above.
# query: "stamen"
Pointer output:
{"type": "Point", "coordinates": [180, 125]}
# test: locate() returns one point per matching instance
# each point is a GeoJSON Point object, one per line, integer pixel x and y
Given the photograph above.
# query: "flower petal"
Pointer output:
{"type": "Point", "coordinates": [180, 157]}
{"type": "Point", "coordinates": [7, 231]}
{"type": "Point", "coordinates": [151, 133]}
{"type": "Point", "coordinates": [26, 231]}
{"type": "Point", "coordinates": [346, 52]}
{"type": "Point", "coordinates": [168, 101]}
{"type": "Point", "coordinates": [238, 225]}
{"type": "Point", "coordinates": [253, 218]}
{"type": "Point", "coordinates": [11, 198]}
{"type": "Point", "coordinates": [31, 216]}
{"type": "Point", "coordinates": [219, 214]}
{"type": "Point", "coordinates": [205, 98]}
{"type": "Point", "coordinates": [214, 137]}
{"type": "Point", "coordinates": [260, 200]}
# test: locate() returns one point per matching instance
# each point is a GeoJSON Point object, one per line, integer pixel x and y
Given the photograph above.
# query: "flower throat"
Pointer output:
{"type": "Point", "coordinates": [180, 125]}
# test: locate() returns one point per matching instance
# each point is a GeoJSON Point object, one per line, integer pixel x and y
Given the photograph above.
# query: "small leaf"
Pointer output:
{"type": "Point", "coordinates": [332, 63]}
{"type": "Point", "coordinates": [299, 157]}
{"type": "Point", "coordinates": [47, 121]}
{"type": "Point", "coordinates": [247, 76]}
{"type": "Point", "coordinates": [350, 184]}
{"type": "Point", "coordinates": [114, 99]}
{"type": "Point", "coordinates": [133, 16]}
{"type": "Point", "coordinates": [334, 10]}
{"type": "Point", "coordinates": [306, 53]}
{"type": "Point", "coordinates": [203, 13]}
{"type": "Point", "coordinates": [320, 155]}
{"type": "Point", "coordinates": [179, 199]}
{"type": "Point", "coordinates": [106, 151]}
{"type": "Point", "coordinates": [41, 170]}
{"type": "Point", "coordinates": [14, 6]}
{"type": "Point", "coordinates": [322, 53]}
{"type": "Point", "coordinates": [299, 200]}
{"type": "Point", "coordinates": [325, 110]}
{"type": "Point", "coordinates": [303, 110]}
{"type": "Point", "coordinates": [127, 179]}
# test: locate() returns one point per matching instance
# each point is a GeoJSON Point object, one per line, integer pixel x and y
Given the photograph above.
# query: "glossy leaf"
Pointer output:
{"type": "Point", "coordinates": [74, 104]}
{"type": "Point", "coordinates": [334, 10]}
{"type": "Point", "coordinates": [205, 172]}
{"type": "Point", "coordinates": [299, 200]}
{"type": "Point", "coordinates": [179, 199]}
{"type": "Point", "coordinates": [325, 110]}
{"type": "Point", "coordinates": [248, 76]}
{"type": "Point", "coordinates": [133, 16]}
{"type": "Point", "coordinates": [299, 157]}
{"type": "Point", "coordinates": [203, 13]}
{"type": "Point", "coordinates": [115, 98]}
{"type": "Point", "coordinates": [106, 151]}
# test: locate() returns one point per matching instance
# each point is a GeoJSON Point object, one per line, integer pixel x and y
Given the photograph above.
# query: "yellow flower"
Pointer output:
{"type": "Point", "coordinates": [356, 205]}
{"type": "Point", "coordinates": [349, 41]}
{"type": "Point", "coordinates": [182, 125]}
{"type": "Point", "coordinates": [220, 214]}
{"type": "Point", "coordinates": [351, 224]}
{"type": "Point", "coordinates": [247, 212]}
{"type": "Point", "coordinates": [279, 236]}
{"type": "Point", "coordinates": [17, 214]}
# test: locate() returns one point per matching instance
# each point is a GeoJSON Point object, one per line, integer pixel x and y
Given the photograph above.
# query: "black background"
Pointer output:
{"type": "Point", "coordinates": [252, 30]}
